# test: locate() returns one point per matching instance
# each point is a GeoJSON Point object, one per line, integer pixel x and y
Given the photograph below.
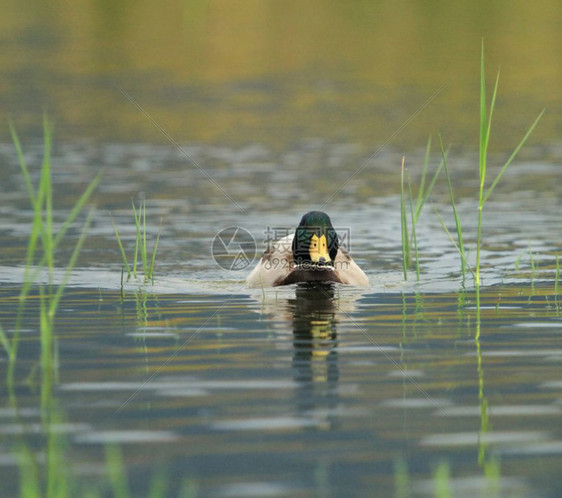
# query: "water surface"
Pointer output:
{"type": "Point", "coordinates": [248, 118]}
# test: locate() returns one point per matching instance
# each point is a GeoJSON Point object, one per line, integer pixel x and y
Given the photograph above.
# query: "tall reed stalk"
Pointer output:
{"type": "Point", "coordinates": [40, 253]}
{"type": "Point", "coordinates": [424, 191]}
{"type": "Point", "coordinates": [483, 192]}
{"type": "Point", "coordinates": [459, 244]}
{"type": "Point", "coordinates": [404, 225]}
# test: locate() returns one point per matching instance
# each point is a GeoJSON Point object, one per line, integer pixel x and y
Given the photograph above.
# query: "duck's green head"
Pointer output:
{"type": "Point", "coordinates": [315, 242]}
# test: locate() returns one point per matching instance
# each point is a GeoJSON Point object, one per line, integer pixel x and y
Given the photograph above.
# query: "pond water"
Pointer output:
{"type": "Point", "coordinates": [194, 385]}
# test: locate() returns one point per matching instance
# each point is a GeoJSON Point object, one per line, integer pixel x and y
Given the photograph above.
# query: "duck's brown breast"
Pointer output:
{"type": "Point", "coordinates": [300, 274]}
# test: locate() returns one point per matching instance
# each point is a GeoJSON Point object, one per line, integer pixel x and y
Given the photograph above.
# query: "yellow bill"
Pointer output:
{"type": "Point", "coordinates": [319, 249]}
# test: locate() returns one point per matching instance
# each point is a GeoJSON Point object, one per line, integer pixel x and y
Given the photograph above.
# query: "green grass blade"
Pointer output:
{"type": "Point", "coordinates": [23, 165]}
{"type": "Point", "coordinates": [458, 225]}
{"type": "Point", "coordinates": [28, 473]}
{"type": "Point", "coordinates": [30, 275]}
{"type": "Point", "coordinates": [513, 155]}
{"type": "Point", "coordinates": [483, 127]}
{"type": "Point", "coordinates": [153, 259]}
{"type": "Point", "coordinates": [4, 341]}
{"type": "Point", "coordinates": [517, 260]}
{"type": "Point", "coordinates": [44, 197]}
{"type": "Point", "coordinates": [533, 268]}
{"type": "Point", "coordinates": [404, 226]}
{"type": "Point", "coordinates": [158, 484]}
{"type": "Point", "coordinates": [428, 190]}
{"type": "Point", "coordinates": [453, 241]}
{"type": "Point", "coordinates": [414, 238]}
{"type": "Point", "coordinates": [137, 240]}
{"type": "Point", "coordinates": [58, 477]}
{"type": "Point", "coordinates": [121, 249]}
{"type": "Point", "coordinates": [42, 227]}
{"type": "Point", "coordinates": [28, 282]}
{"type": "Point", "coordinates": [491, 110]}
{"type": "Point", "coordinates": [41, 230]}
{"type": "Point", "coordinates": [37, 223]}
{"type": "Point", "coordinates": [442, 480]}
{"type": "Point", "coordinates": [482, 173]}
{"type": "Point", "coordinates": [402, 482]}
{"type": "Point", "coordinates": [116, 472]}
{"type": "Point", "coordinates": [77, 208]}
{"type": "Point", "coordinates": [47, 232]}
{"type": "Point", "coordinates": [46, 335]}
{"type": "Point", "coordinates": [144, 249]}
{"type": "Point", "coordinates": [419, 203]}
{"type": "Point", "coordinates": [72, 262]}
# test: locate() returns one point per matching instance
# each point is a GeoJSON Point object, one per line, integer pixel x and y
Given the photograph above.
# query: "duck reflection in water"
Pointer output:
{"type": "Point", "coordinates": [315, 367]}
{"type": "Point", "coordinates": [311, 313]}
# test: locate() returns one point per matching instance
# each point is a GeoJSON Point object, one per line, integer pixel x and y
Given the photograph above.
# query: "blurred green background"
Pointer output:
{"type": "Point", "coordinates": [273, 72]}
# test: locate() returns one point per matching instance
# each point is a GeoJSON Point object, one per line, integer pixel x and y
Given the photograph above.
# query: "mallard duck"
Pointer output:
{"type": "Point", "coordinates": [311, 254]}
